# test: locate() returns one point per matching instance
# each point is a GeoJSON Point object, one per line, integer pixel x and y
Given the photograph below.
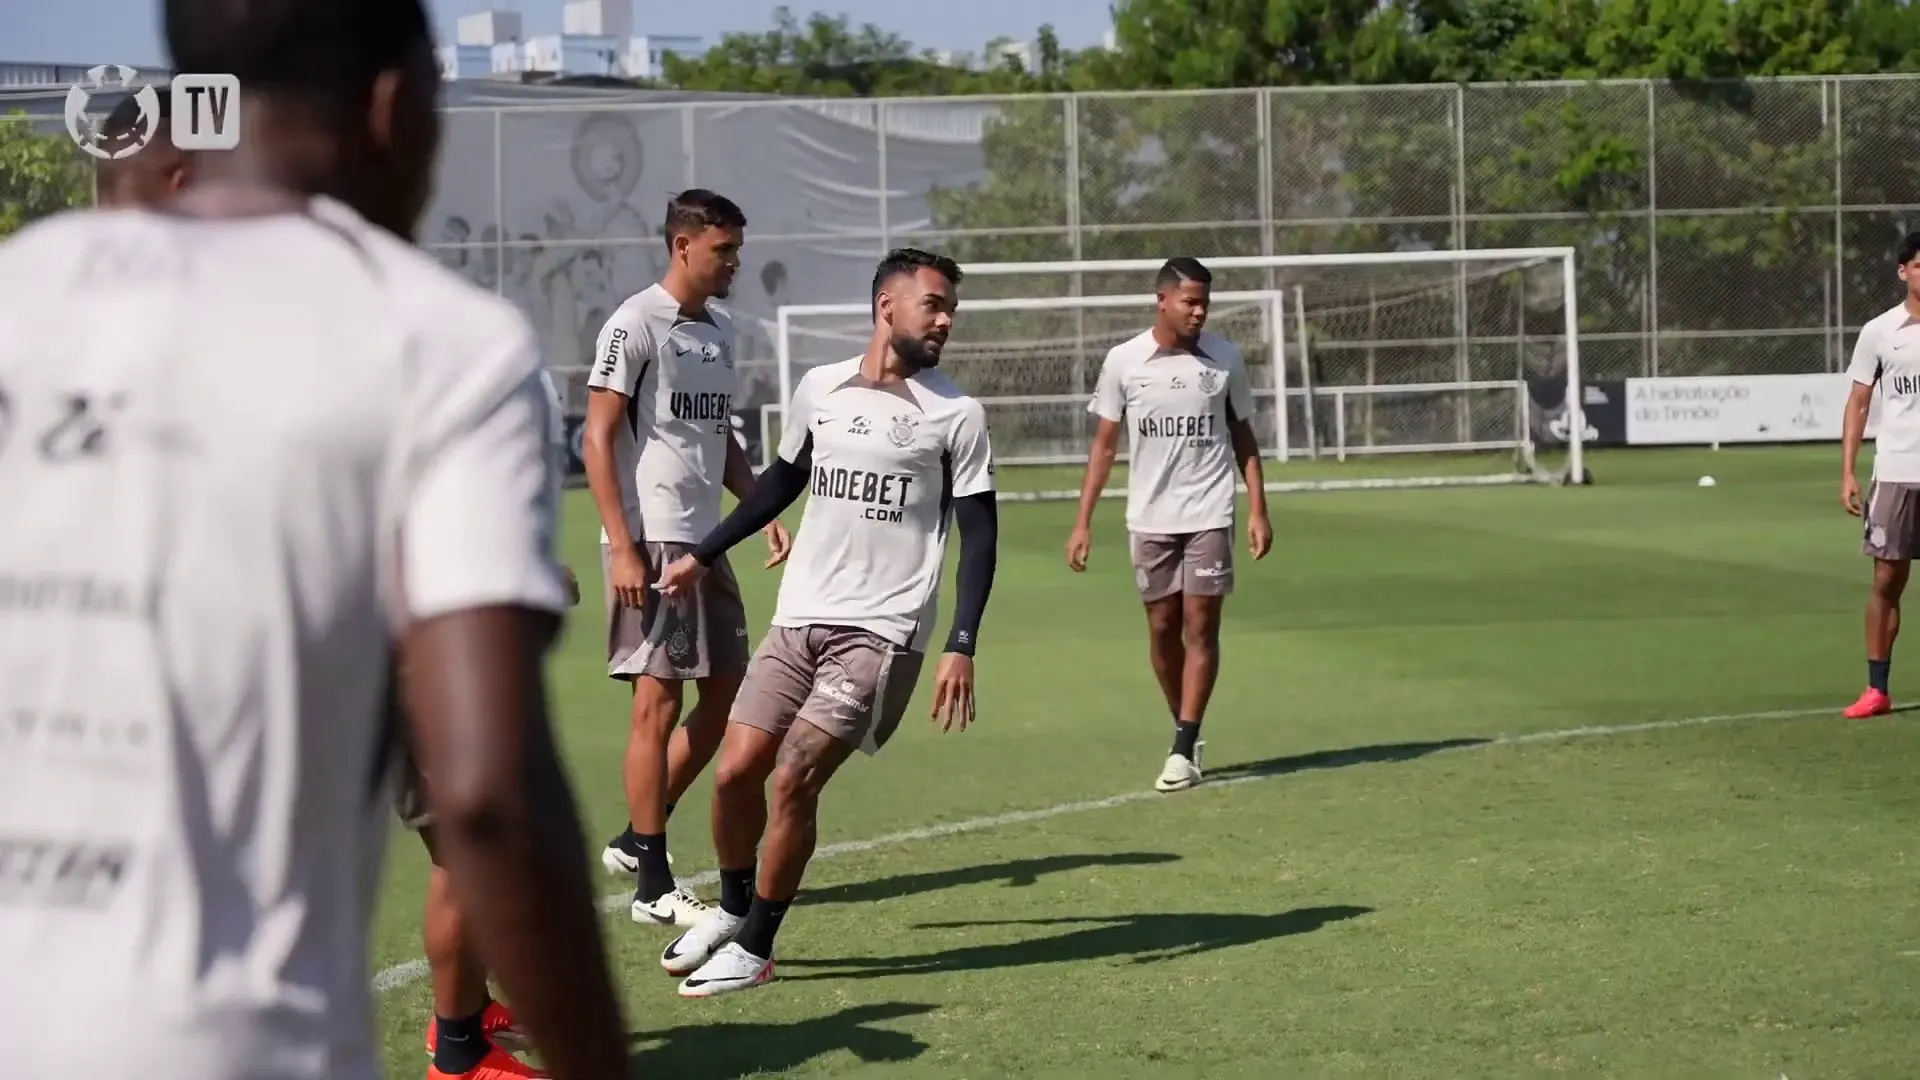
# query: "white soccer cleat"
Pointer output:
{"type": "Point", "coordinates": [685, 954]}
{"type": "Point", "coordinates": [732, 968]}
{"type": "Point", "coordinates": [619, 863]}
{"type": "Point", "coordinates": [1179, 774]}
{"type": "Point", "coordinates": [677, 908]}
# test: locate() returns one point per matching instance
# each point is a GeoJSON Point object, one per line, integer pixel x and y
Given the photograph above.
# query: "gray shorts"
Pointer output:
{"type": "Point", "coordinates": [397, 764]}
{"type": "Point", "coordinates": [410, 799]}
{"type": "Point", "coordinates": [1892, 528]}
{"type": "Point", "coordinates": [676, 639]}
{"type": "Point", "coordinates": [1199, 563]}
{"type": "Point", "coordinates": [852, 684]}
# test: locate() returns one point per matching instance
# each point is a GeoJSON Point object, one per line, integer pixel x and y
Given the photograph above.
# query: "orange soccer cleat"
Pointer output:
{"type": "Point", "coordinates": [497, 1065]}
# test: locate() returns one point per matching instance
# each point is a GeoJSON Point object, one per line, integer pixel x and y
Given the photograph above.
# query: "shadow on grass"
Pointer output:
{"type": "Point", "coordinates": [1337, 759]}
{"type": "Point", "coordinates": [1144, 939]}
{"type": "Point", "coordinates": [1015, 873]}
{"type": "Point", "coordinates": [727, 1050]}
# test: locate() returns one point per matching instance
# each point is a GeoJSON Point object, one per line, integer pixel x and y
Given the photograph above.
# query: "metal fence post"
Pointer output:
{"type": "Point", "coordinates": [880, 180]}
{"type": "Point", "coordinates": [690, 145]}
{"type": "Point", "coordinates": [1650, 304]}
{"type": "Point", "coordinates": [1070, 124]}
{"type": "Point", "coordinates": [1836, 357]}
{"type": "Point", "coordinates": [499, 203]}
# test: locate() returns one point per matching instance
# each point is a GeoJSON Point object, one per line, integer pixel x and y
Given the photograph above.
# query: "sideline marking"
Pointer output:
{"type": "Point", "coordinates": [412, 970]}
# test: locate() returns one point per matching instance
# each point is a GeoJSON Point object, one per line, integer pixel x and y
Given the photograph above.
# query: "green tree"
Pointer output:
{"type": "Point", "coordinates": [827, 56]}
{"type": "Point", "coordinates": [39, 174]}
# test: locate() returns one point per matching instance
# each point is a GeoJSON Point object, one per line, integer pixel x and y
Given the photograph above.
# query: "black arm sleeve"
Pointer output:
{"type": "Point", "coordinates": [978, 517]}
{"type": "Point", "coordinates": [772, 493]}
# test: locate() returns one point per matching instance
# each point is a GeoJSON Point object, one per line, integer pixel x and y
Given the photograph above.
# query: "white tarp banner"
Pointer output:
{"type": "Point", "coordinates": [1701, 410]}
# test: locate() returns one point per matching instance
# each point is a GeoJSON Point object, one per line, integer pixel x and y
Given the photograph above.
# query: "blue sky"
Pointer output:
{"type": "Point", "coordinates": [127, 31]}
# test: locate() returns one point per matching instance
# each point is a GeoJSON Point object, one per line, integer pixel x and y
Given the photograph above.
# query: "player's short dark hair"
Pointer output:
{"type": "Point", "coordinates": [1182, 268]}
{"type": "Point", "coordinates": [697, 208]}
{"type": "Point", "coordinates": [125, 117]}
{"type": "Point", "coordinates": [321, 47]}
{"type": "Point", "coordinates": [1909, 248]}
{"type": "Point", "coordinates": [908, 260]}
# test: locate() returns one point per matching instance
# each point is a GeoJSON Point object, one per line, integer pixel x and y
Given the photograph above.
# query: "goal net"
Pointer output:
{"type": "Point", "coordinates": [1369, 370]}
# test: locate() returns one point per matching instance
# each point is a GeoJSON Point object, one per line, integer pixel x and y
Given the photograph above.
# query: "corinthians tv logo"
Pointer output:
{"type": "Point", "coordinates": [89, 134]}
{"type": "Point", "coordinates": [205, 112]}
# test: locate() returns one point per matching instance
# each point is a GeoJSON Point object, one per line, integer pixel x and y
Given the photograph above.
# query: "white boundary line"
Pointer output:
{"type": "Point", "coordinates": [412, 970]}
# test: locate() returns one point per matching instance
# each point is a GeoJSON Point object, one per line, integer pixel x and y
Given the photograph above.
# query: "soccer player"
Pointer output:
{"type": "Point", "coordinates": [475, 1025]}
{"type": "Point", "coordinates": [471, 1034]}
{"type": "Point", "coordinates": [149, 177]}
{"type": "Point", "coordinates": [885, 446]}
{"type": "Point", "coordinates": [297, 445]}
{"type": "Point", "coordinates": [1885, 356]}
{"type": "Point", "coordinates": [1188, 406]}
{"type": "Point", "coordinates": [659, 446]}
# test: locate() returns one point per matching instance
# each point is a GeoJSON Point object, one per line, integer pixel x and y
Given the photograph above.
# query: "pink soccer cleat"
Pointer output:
{"type": "Point", "coordinates": [1871, 703]}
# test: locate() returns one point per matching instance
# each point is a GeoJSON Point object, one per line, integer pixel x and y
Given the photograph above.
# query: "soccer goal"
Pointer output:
{"type": "Point", "coordinates": [1373, 369]}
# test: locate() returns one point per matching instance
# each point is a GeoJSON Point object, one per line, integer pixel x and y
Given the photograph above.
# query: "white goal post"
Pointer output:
{"type": "Point", "coordinates": [1352, 355]}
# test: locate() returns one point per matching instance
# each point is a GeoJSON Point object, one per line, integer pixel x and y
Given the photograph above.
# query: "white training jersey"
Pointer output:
{"type": "Point", "coordinates": [887, 461]}
{"type": "Point", "coordinates": [1888, 353]}
{"type": "Point", "coordinates": [237, 455]}
{"type": "Point", "coordinates": [679, 378]}
{"type": "Point", "coordinates": [1176, 404]}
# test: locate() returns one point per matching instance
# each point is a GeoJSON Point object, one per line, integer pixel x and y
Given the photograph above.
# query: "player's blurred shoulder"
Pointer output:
{"type": "Point", "coordinates": [1887, 321]}
{"type": "Point", "coordinates": [40, 250]}
{"type": "Point", "coordinates": [466, 339]}
{"type": "Point", "coordinates": [946, 403]}
{"type": "Point", "coordinates": [1138, 347]}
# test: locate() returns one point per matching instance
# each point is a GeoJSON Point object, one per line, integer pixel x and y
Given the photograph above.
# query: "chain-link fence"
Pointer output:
{"type": "Point", "coordinates": [1740, 227]}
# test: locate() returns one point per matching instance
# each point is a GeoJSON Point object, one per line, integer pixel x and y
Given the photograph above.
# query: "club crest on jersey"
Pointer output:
{"type": "Point", "coordinates": [1209, 381]}
{"type": "Point", "coordinates": [902, 431]}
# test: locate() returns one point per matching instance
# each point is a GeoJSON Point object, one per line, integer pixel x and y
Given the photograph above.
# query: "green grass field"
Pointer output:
{"type": "Point", "coordinates": [1448, 852]}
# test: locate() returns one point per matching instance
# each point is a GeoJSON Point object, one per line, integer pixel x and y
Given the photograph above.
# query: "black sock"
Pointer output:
{"type": "Point", "coordinates": [1185, 737]}
{"type": "Point", "coordinates": [736, 891]}
{"type": "Point", "coordinates": [656, 880]}
{"type": "Point", "coordinates": [1877, 672]}
{"type": "Point", "coordinates": [459, 1045]}
{"type": "Point", "coordinates": [625, 840]}
{"type": "Point", "coordinates": [763, 922]}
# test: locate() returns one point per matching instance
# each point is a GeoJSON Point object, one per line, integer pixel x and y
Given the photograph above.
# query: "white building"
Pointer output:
{"type": "Point", "coordinates": [596, 38]}
{"type": "Point", "coordinates": [27, 75]}
{"type": "Point", "coordinates": [1025, 54]}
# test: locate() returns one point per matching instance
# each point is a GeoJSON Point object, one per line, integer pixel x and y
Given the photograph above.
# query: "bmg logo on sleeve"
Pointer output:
{"type": "Point", "coordinates": [205, 112]}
